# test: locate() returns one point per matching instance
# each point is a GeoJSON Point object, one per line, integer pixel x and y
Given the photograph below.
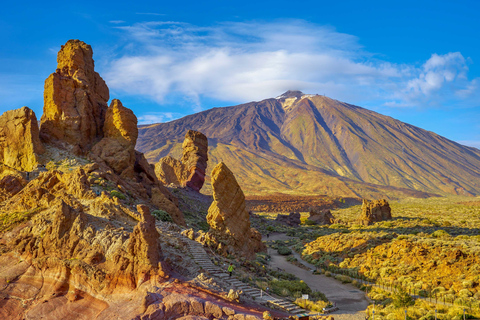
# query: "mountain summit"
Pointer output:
{"type": "Point", "coordinates": [312, 144]}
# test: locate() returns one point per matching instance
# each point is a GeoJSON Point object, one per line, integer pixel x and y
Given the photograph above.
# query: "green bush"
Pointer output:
{"type": "Point", "coordinates": [284, 251]}
{"type": "Point", "coordinates": [402, 299]}
{"type": "Point", "coordinates": [117, 194]}
{"type": "Point", "coordinates": [440, 234]}
{"type": "Point", "coordinates": [286, 287]}
{"type": "Point", "coordinates": [162, 216]}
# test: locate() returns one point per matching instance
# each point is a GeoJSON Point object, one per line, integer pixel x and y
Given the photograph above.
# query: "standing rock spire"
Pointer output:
{"type": "Point", "coordinates": [75, 99]}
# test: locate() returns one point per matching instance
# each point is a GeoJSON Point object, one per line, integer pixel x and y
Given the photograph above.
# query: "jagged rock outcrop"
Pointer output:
{"type": "Point", "coordinates": [75, 100]}
{"type": "Point", "coordinates": [190, 170]}
{"type": "Point", "coordinates": [374, 211]}
{"type": "Point", "coordinates": [10, 185]}
{"type": "Point", "coordinates": [20, 143]}
{"type": "Point", "coordinates": [195, 157]}
{"type": "Point", "coordinates": [228, 218]}
{"type": "Point", "coordinates": [321, 217]}
{"type": "Point", "coordinates": [161, 201]}
{"type": "Point", "coordinates": [117, 148]}
{"type": "Point", "coordinates": [293, 219]}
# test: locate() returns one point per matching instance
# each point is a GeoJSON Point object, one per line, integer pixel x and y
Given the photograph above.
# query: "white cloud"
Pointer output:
{"type": "Point", "coordinates": [251, 61]}
{"type": "Point", "coordinates": [157, 117]}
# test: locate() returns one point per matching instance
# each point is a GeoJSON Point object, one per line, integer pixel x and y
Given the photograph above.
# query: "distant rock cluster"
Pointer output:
{"type": "Point", "coordinates": [375, 211]}
{"type": "Point", "coordinates": [292, 219]}
{"type": "Point", "coordinates": [321, 217]}
{"type": "Point", "coordinates": [190, 170]}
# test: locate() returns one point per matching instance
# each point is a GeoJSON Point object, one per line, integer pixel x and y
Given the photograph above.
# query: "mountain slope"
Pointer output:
{"type": "Point", "coordinates": [311, 144]}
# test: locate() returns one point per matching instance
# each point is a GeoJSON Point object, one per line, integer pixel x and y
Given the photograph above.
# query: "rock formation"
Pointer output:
{"type": "Point", "coordinates": [293, 219]}
{"type": "Point", "coordinates": [75, 100]}
{"type": "Point", "coordinates": [73, 241]}
{"type": "Point", "coordinates": [321, 217]}
{"type": "Point", "coordinates": [20, 144]}
{"type": "Point", "coordinates": [117, 148]}
{"type": "Point", "coordinates": [374, 211]}
{"type": "Point", "coordinates": [228, 218]}
{"type": "Point", "coordinates": [10, 185]}
{"type": "Point", "coordinates": [195, 157]}
{"type": "Point", "coordinates": [190, 170]}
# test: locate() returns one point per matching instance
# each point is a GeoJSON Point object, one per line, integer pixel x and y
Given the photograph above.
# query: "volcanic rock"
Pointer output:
{"type": "Point", "coordinates": [75, 99]}
{"type": "Point", "coordinates": [293, 219]}
{"type": "Point", "coordinates": [117, 148]}
{"type": "Point", "coordinates": [195, 157]}
{"type": "Point", "coordinates": [19, 139]}
{"type": "Point", "coordinates": [10, 185]}
{"type": "Point", "coordinates": [190, 170]}
{"type": "Point", "coordinates": [161, 201]}
{"type": "Point", "coordinates": [374, 211]}
{"type": "Point", "coordinates": [228, 218]}
{"type": "Point", "coordinates": [171, 171]}
{"type": "Point", "coordinates": [321, 217]}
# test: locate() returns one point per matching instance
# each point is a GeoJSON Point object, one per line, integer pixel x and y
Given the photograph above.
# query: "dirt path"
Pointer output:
{"type": "Point", "coordinates": [349, 299]}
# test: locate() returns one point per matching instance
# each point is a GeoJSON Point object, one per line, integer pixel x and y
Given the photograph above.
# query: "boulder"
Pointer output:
{"type": "Point", "coordinates": [375, 211]}
{"type": "Point", "coordinates": [75, 100]}
{"type": "Point", "coordinates": [228, 218]}
{"type": "Point", "coordinates": [190, 170]}
{"type": "Point", "coordinates": [321, 217]}
{"type": "Point", "coordinates": [293, 219]}
{"type": "Point", "coordinates": [20, 143]}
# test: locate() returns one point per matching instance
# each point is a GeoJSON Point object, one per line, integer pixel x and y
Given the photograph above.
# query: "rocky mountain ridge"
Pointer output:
{"type": "Point", "coordinates": [311, 144]}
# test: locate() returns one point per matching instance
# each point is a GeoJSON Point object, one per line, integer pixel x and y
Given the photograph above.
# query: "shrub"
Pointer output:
{"type": "Point", "coordinates": [402, 299]}
{"type": "Point", "coordinates": [440, 234]}
{"type": "Point", "coordinates": [286, 287]}
{"type": "Point", "coordinates": [328, 273]}
{"type": "Point", "coordinates": [310, 222]}
{"type": "Point", "coordinates": [117, 194]}
{"type": "Point", "coordinates": [162, 216]}
{"type": "Point", "coordinates": [284, 251]}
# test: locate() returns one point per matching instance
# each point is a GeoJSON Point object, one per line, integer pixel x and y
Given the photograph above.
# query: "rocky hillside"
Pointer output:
{"type": "Point", "coordinates": [81, 229]}
{"type": "Point", "coordinates": [311, 144]}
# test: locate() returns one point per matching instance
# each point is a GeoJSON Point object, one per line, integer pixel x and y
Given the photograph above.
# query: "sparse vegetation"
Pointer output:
{"type": "Point", "coordinates": [162, 216]}
{"type": "Point", "coordinates": [10, 220]}
{"type": "Point", "coordinates": [117, 194]}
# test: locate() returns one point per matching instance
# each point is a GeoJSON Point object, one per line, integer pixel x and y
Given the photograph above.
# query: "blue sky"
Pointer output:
{"type": "Point", "coordinates": [417, 61]}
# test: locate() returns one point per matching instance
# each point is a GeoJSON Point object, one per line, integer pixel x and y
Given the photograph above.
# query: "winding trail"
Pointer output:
{"type": "Point", "coordinates": [349, 299]}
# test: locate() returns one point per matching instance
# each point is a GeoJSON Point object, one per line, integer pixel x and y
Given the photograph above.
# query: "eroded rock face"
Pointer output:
{"type": "Point", "coordinates": [321, 217]}
{"type": "Point", "coordinates": [293, 219]}
{"type": "Point", "coordinates": [195, 157]}
{"type": "Point", "coordinates": [10, 185]}
{"type": "Point", "coordinates": [75, 99]}
{"type": "Point", "coordinates": [170, 170]}
{"type": "Point", "coordinates": [228, 218]}
{"type": "Point", "coordinates": [161, 201]}
{"type": "Point", "coordinates": [20, 143]}
{"type": "Point", "coordinates": [117, 148]}
{"type": "Point", "coordinates": [374, 211]}
{"type": "Point", "coordinates": [190, 170]}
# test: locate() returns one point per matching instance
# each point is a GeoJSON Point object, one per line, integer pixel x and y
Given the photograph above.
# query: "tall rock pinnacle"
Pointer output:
{"type": "Point", "coordinates": [75, 99]}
